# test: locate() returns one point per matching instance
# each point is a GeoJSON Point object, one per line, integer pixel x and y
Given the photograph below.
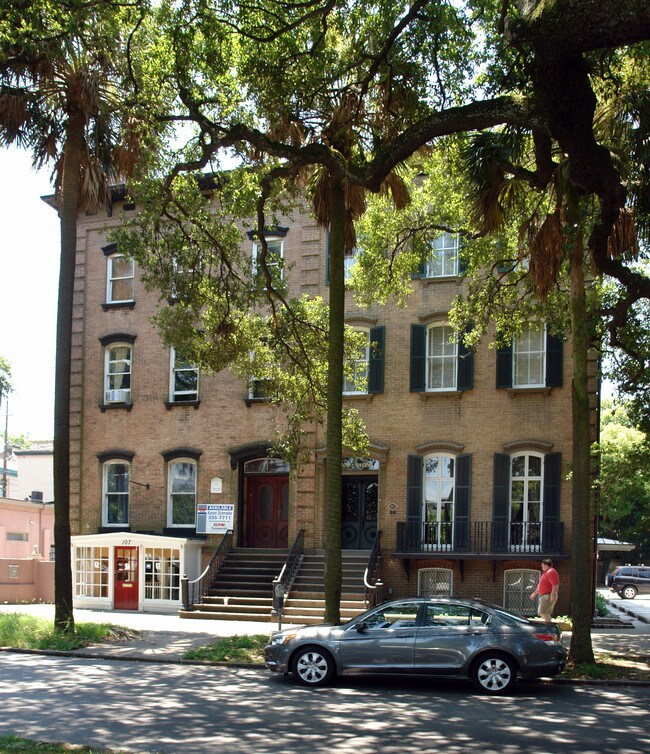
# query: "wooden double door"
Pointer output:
{"type": "Point", "coordinates": [267, 511]}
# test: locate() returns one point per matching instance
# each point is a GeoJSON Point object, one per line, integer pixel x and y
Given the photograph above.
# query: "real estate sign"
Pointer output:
{"type": "Point", "coordinates": [215, 518]}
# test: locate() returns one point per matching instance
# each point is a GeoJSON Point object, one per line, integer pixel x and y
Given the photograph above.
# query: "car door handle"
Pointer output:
{"type": "Point", "coordinates": [407, 636]}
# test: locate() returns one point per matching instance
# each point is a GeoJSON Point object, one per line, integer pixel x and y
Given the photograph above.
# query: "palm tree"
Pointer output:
{"type": "Point", "coordinates": [58, 99]}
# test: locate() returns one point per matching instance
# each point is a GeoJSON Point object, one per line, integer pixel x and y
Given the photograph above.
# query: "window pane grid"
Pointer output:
{"type": "Point", "coordinates": [120, 279]}
{"type": "Point", "coordinates": [526, 508]}
{"type": "Point", "coordinates": [91, 571]}
{"type": "Point", "coordinates": [358, 382]}
{"type": "Point", "coordinates": [162, 574]}
{"type": "Point", "coordinates": [184, 379]}
{"type": "Point", "coordinates": [442, 356]}
{"type": "Point", "coordinates": [529, 357]}
{"type": "Point", "coordinates": [182, 493]}
{"type": "Point", "coordinates": [443, 261]}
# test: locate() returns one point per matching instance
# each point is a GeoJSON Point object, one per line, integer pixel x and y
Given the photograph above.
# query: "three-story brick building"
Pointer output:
{"type": "Point", "coordinates": [466, 478]}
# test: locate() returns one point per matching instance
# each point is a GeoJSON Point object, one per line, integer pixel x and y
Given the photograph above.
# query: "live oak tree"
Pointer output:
{"type": "Point", "coordinates": [63, 97]}
{"type": "Point", "coordinates": [350, 91]}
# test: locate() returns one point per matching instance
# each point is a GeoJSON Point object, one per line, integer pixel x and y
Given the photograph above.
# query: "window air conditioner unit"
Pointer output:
{"type": "Point", "coordinates": [117, 396]}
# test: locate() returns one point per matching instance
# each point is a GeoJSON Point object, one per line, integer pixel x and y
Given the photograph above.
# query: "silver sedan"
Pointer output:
{"type": "Point", "coordinates": [435, 636]}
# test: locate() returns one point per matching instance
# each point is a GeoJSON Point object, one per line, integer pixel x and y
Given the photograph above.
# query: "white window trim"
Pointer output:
{"type": "Point", "coordinates": [170, 506]}
{"type": "Point", "coordinates": [449, 252]}
{"type": "Point", "coordinates": [119, 395]}
{"type": "Point", "coordinates": [364, 360]}
{"type": "Point", "coordinates": [105, 465]}
{"type": "Point", "coordinates": [269, 240]}
{"type": "Point", "coordinates": [438, 546]}
{"type": "Point", "coordinates": [110, 279]}
{"type": "Point", "coordinates": [173, 369]}
{"type": "Point", "coordinates": [517, 351]}
{"type": "Point", "coordinates": [442, 359]}
{"type": "Point", "coordinates": [523, 546]}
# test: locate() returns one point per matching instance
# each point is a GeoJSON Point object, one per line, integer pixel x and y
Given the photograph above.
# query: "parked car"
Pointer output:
{"type": "Point", "coordinates": [628, 581]}
{"type": "Point", "coordinates": [448, 637]}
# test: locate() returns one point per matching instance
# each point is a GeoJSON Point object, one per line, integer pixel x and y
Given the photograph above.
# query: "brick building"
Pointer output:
{"type": "Point", "coordinates": [466, 479]}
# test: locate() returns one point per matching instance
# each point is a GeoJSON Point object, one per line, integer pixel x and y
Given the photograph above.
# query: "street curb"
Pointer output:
{"type": "Point", "coordinates": [258, 666]}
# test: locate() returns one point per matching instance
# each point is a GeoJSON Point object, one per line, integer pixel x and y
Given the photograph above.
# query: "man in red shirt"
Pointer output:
{"type": "Point", "coordinates": [547, 589]}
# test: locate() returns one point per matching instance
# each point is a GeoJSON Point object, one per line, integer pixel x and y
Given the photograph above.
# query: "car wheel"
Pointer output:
{"type": "Point", "coordinates": [628, 592]}
{"type": "Point", "coordinates": [313, 666]}
{"type": "Point", "coordinates": [494, 673]}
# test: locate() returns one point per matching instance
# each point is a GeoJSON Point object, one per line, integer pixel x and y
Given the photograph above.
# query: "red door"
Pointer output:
{"type": "Point", "coordinates": [268, 511]}
{"type": "Point", "coordinates": [125, 595]}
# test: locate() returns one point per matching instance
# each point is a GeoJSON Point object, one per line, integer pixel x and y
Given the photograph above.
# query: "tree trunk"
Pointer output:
{"type": "Point", "coordinates": [582, 555]}
{"type": "Point", "coordinates": [333, 565]}
{"type": "Point", "coordinates": [70, 186]}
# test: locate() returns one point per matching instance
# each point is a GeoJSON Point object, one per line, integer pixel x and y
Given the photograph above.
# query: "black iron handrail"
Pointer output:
{"type": "Point", "coordinates": [291, 565]}
{"type": "Point", "coordinates": [482, 537]}
{"type": "Point", "coordinates": [192, 591]}
{"type": "Point", "coordinates": [374, 592]}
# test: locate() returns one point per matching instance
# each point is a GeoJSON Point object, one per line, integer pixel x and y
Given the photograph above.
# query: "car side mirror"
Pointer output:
{"type": "Point", "coordinates": [361, 627]}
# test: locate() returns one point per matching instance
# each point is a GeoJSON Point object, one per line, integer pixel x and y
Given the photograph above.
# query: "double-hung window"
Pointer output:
{"type": "Point", "coordinates": [182, 492]}
{"type": "Point", "coordinates": [115, 508]}
{"type": "Point", "coordinates": [444, 258]}
{"type": "Point", "coordinates": [274, 257]}
{"type": "Point", "coordinates": [534, 359]}
{"type": "Point", "coordinates": [119, 279]}
{"type": "Point", "coordinates": [440, 361]}
{"type": "Point", "coordinates": [526, 484]}
{"type": "Point", "coordinates": [355, 379]}
{"type": "Point", "coordinates": [117, 373]}
{"type": "Point", "coordinates": [442, 356]}
{"type": "Point", "coordinates": [183, 379]}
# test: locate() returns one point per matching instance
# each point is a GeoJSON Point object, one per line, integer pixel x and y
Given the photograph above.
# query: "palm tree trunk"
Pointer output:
{"type": "Point", "coordinates": [70, 185]}
{"type": "Point", "coordinates": [333, 565]}
{"type": "Point", "coordinates": [582, 554]}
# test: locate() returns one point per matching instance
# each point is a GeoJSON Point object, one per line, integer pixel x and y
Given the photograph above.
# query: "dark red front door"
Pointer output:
{"type": "Point", "coordinates": [267, 511]}
{"type": "Point", "coordinates": [125, 596]}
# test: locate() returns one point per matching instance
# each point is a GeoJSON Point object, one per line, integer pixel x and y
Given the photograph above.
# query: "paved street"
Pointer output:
{"type": "Point", "coordinates": [177, 709]}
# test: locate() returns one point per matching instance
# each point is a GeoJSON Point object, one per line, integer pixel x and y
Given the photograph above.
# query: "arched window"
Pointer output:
{"type": "Point", "coordinates": [526, 514]}
{"type": "Point", "coordinates": [438, 503]}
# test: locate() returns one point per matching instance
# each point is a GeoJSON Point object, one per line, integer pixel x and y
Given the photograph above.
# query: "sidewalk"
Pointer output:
{"type": "Point", "coordinates": [166, 637]}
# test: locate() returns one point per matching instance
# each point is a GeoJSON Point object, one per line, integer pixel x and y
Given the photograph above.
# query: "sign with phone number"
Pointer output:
{"type": "Point", "coordinates": [215, 518]}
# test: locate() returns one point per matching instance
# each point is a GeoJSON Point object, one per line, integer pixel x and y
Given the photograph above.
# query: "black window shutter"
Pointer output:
{"type": "Point", "coordinates": [500, 502]}
{"type": "Point", "coordinates": [463, 496]}
{"type": "Point", "coordinates": [552, 480]}
{"type": "Point", "coordinates": [554, 360]}
{"type": "Point", "coordinates": [465, 372]}
{"type": "Point", "coordinates": [504, 367]}
{"type": "Point", "coordinates": [418, 358]}
{"type": "Point", "coordinates": [414, 488]}
{"type": "Point", "coordinates": [376, 362]}
{"type": "Point", "coordinates": [462, 256]}
{"type": "Point", "coordinates": [552, 534]}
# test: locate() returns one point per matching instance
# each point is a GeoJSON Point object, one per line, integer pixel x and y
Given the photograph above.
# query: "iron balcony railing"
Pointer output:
{"type": "Point", "coordinates": [193, 591]}
{"type": "Point", "coordinates": [481, 537]}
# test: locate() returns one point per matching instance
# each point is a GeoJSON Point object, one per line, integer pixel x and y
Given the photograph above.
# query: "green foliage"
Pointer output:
{"type": "Point", "coordinates": [624, 479]}
{"type": "Point", "coordinates": [246, 649]}
{"type": "Point", "coordinates": [28, 632]}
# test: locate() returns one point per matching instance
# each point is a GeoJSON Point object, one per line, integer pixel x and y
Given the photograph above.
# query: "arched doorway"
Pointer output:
{"type": "Point", "coordinates": [359, 503]}
{"type": "Point", "coordinates": [266, 482]}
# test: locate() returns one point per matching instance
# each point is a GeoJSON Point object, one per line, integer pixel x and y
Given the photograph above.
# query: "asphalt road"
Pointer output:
{"type": "Point", "coordinates": [180, 709]}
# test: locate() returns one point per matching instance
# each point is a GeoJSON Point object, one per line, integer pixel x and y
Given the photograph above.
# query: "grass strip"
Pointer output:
{"type": "Point", "coordinates": [29, 632]}
{"type": "Point", "coordinates": [231, 649]}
